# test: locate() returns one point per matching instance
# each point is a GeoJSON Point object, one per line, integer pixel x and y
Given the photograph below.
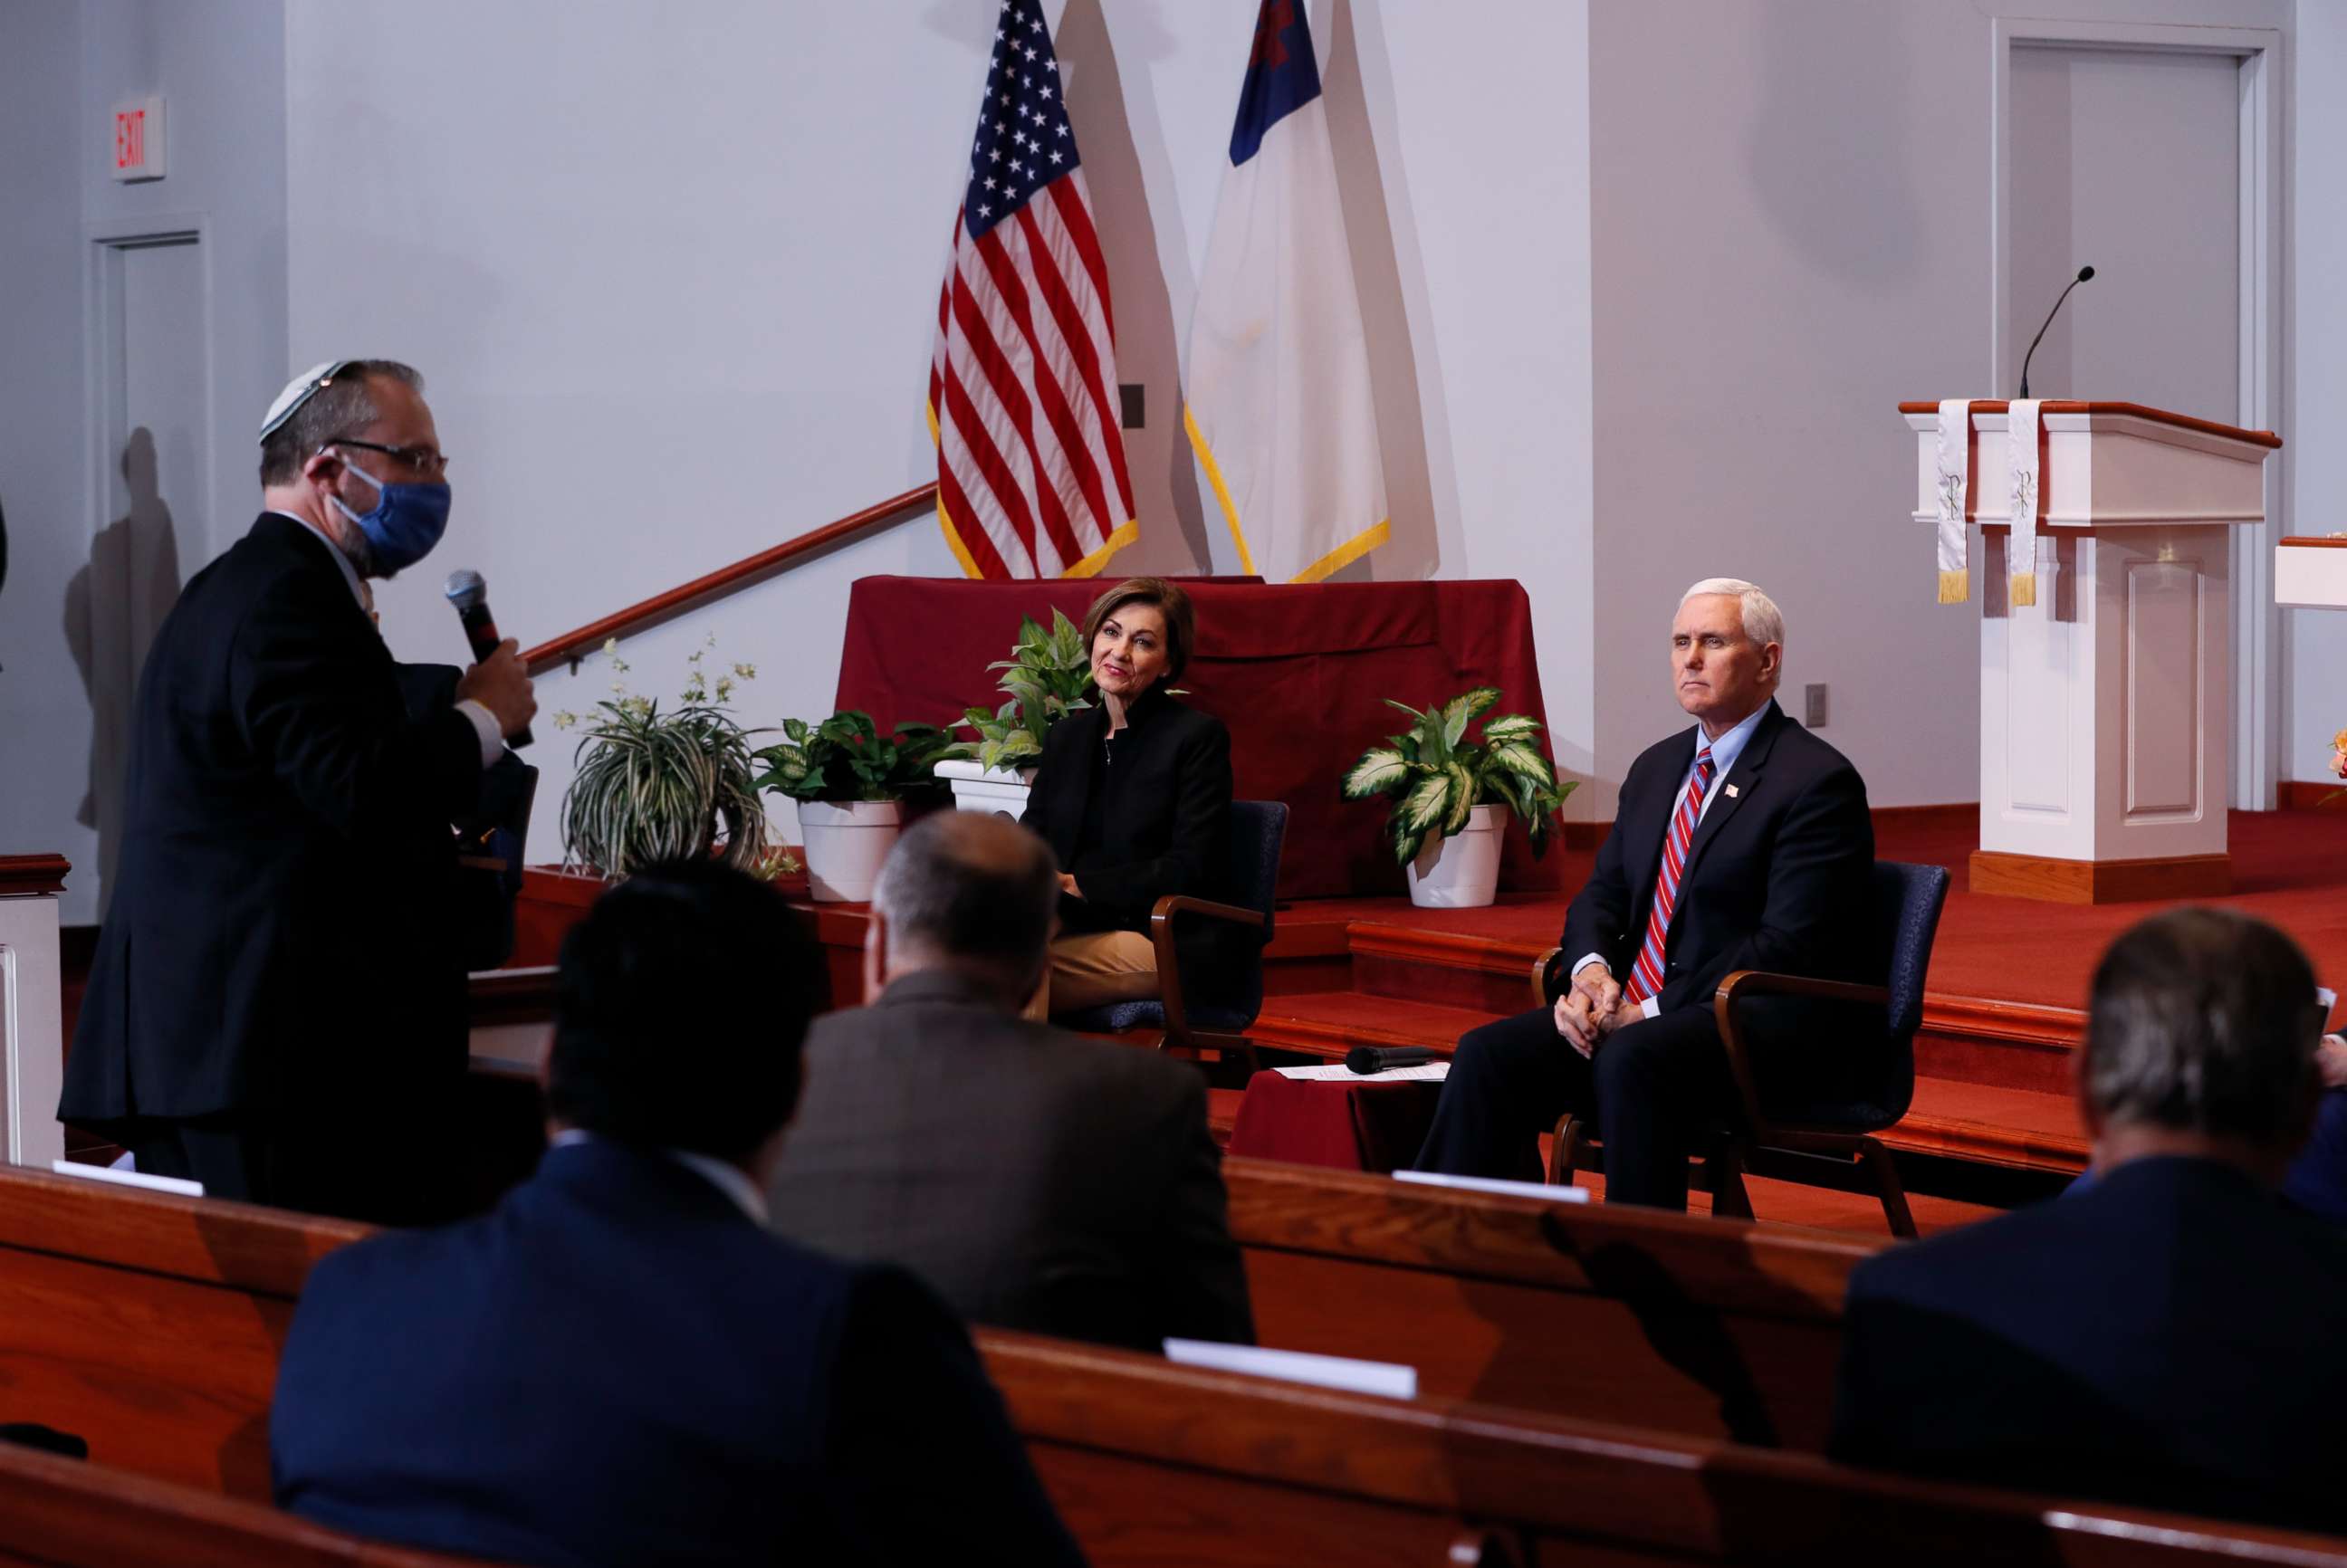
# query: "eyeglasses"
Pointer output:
{"type": "Point", "coordinates": [422, 459]}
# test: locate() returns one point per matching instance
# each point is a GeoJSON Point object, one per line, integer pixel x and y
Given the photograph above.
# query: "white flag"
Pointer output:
{"type": "Point", "coordinates": [1279, 409]}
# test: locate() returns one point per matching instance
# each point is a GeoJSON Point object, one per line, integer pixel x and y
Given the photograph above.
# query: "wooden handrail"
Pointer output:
{"type": "Point", "coordinates": [22, 875]}
{"type": "Point", "coordinates": [724, 579]}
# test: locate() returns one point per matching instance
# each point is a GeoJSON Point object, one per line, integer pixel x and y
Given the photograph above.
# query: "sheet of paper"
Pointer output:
{"type": "Point", "coordinates": [1494, 1184]}
{"type": "Point", "coordinates": [1337, 1072]}
{"type": "Point", "coordinates": [128, 1178]}
{"type": "Point", "coordinates": [1386, 1378]}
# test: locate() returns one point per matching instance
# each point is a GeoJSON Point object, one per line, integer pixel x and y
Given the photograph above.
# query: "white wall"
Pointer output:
{"type": "Point", "coordinates": [1789, 207]}
{"type": "Point", "coordinates": [220, 66]}
{"type": "Point", "coordinates": [45, 710]}
{"type": "Point", "coordinates": [2315, 703]}
{"type": "Point", "coordinates": [702, 323]}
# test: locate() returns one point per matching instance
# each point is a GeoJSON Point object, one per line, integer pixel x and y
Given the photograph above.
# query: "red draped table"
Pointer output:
{"type": "Point", "coordinates": [1296, 670]}
{"type": "Point", "coordinates": [1364, 1126]}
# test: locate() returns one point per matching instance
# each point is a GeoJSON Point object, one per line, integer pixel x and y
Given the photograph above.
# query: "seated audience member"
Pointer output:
{"type": "Point", "coordinates": [1134, 798]}
{"type": "Point", "coordinates": [620, 1365]}
{"type": "Point", "coordinates": [2318, 1180]}
{"type": "Point", "coordinates": [1741, 843]}
{"type": "Point", "coordinates": [1035, 1179]}
{"type": "Point", "coordinates": [2170, 1336]}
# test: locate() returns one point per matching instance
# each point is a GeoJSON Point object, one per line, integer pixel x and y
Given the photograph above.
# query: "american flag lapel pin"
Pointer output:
{"type": "Point", "coordinates": [1732, 794]}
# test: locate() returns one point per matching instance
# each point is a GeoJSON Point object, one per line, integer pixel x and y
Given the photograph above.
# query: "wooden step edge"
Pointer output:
{"type": "Point", "coordinates": [1446, 949]}
{"type": "Point", "coordinates": [1314, 1036]}
{"type": "Point", "coordinates": [2019, 1023]}
{"type": "Point", "coordinates": [1988, 1143]}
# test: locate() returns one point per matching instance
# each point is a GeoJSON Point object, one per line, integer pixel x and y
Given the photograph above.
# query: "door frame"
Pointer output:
{"type": "Point", "coordinates": [2263, 330]}
{"type": "Point", "coordinates": [102, 346]}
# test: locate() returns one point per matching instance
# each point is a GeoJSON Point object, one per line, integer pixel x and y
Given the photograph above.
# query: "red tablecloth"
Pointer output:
{"type": "Point", "coordinates": [1375, 1127]}
{"type": "Point", "coordinates": [1297, 670]}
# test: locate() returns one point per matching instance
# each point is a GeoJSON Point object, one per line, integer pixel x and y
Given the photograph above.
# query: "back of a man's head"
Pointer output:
{"type": "Point", "coordinates": [973, 893]}
{"type": "Point", "coordinates": [2202, 1029]}
{"type": "Point", "coordinates": [680, 1005]}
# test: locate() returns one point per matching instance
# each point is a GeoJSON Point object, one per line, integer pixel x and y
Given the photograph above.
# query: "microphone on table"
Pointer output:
{"type": "Point", "coordinates": [2084, 273]}
{"type": "Point", "coordinates": [470, 595]}
{"type": "Point", "coordinates": [1368, 1059]}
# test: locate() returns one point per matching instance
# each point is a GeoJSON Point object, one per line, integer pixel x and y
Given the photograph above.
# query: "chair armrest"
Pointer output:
{"type": "Point", "coordinates": [1747, 983]}
{"type": "Point", "coordinates": [1543, 979]}
{"type": "Point", "coordinates": [1169, 958]}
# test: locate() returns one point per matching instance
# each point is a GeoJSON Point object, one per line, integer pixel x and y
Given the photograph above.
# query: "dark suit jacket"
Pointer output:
{"type": "Point", "coordinates": [618, 1366]}
{"type": "Point", "coordinates": [1777, 876]}
{"type": "Point", "coordinates": [1166, 817]}
{"type": "Point", "coordinates": [1036, 1179]}
{"type": "Point", "coordinates": [278, 942]}
{"type": "Point", "coordinates": [2168, 1337]}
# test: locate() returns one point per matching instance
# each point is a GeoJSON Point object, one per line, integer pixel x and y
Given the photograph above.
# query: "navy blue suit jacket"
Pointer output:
{"type": "Point", "coordinates": [2169, 1337]}
{"type": "Point", "coordinates": [618, 1366]}
{"type": "Point", "coordinates": [1777, 876]}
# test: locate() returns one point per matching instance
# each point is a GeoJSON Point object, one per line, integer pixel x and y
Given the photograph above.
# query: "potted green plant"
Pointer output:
{"type": "Point", "coordinates": [653, 785]}
{"type": "Point", "coordinates": [1447, 793]}
{"type": "Point", "coordinates": [1048, 676]}
{"type": "Point", "coordinates": [851, 784]}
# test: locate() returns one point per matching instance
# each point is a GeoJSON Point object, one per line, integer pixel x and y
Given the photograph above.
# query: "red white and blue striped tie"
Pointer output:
{"type": "Point", "coordinates": [1646, 974]}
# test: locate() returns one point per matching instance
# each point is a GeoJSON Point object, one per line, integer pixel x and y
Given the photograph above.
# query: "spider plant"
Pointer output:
{"type": "Point", "coordinates": [1435, 776]}
{"type": "Point", "coordinates": [652, 785]}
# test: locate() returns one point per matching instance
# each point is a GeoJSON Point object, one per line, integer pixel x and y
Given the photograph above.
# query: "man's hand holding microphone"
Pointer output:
{"type": "Point", "coordinates": [501, 685]}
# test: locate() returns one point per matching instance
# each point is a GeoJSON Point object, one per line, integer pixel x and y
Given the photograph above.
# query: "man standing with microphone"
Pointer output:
{"type": "Point", "coordinates": [277, 1004]}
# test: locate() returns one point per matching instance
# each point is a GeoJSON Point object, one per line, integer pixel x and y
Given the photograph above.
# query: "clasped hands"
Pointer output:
{"type": "Point", "coordinates": [1592, 1007]}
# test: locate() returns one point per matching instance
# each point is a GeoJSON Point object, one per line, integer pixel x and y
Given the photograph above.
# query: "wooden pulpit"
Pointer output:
{"type": "Point", "coordinates": [32, 1013]}
{"type": "Point", "coordinates": [2105, 707]}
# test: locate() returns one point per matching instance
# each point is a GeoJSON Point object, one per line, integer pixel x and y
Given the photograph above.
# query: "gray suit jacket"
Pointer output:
{"type": "Point", "coordinates": [1036, 1180]}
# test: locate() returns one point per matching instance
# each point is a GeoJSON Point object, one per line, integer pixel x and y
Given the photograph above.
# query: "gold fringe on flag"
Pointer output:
{"type": "Point", "coordinates": [2025, 587]}
{"type": "Point", "coordinates": [1955, 587]}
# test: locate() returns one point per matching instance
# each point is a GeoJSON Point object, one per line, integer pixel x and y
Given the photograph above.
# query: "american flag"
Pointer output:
{"type": "Point", "coordinates": [1032, 479]}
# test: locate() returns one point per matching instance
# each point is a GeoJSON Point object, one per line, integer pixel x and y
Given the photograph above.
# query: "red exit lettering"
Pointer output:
{"type": "Point", "coordinates": [129, 138]}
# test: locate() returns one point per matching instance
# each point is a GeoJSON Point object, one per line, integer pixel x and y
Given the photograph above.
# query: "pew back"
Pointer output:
{"type": "Point", "coordinates": [1150, 1463]}
{"type": "Point", "coordinates": [1710, 1328]}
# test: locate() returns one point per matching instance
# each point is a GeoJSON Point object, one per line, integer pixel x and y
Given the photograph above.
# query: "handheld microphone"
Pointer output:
{"type": "Point", "coordinates": [470, 595]}
{"type": "Point", "coordinates": [1366, 1059]}
{"type": "Point", "coordinates": [2084, 273]}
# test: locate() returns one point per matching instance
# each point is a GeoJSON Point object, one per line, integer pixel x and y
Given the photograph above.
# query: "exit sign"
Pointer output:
{"type": "Point", "coordinates": [138, 140]}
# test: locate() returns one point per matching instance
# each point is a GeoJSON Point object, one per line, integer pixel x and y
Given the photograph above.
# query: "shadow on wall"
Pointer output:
{"type": "Point", "coordinates": [1120, 135]}
{"type": "Point", "coordinates": [1415, 549]}
{"type": "Point", "coordinates": [1809, 168]}
{"type": "Point", "coordinates": [4, 548]}
{"type": "Point", "coordinates": [112, 610]}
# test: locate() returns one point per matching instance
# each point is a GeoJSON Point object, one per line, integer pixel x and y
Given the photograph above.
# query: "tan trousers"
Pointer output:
{"type": "Point", "coordinates": [1094, 969]}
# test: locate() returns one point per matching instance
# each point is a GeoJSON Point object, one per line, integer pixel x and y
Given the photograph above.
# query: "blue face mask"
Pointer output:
{"type": "Point", "coordinates": [406, 522]}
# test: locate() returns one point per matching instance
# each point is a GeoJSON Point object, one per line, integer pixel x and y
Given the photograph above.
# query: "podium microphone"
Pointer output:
{"type": "Point", "coordinates": [470, 595]}
{"type": "Point", "coordinates": [2084, 273]}
{"type": "Point", "coordinates": [1367, 1059]}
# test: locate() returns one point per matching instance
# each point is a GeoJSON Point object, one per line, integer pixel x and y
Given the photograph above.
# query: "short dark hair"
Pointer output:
{"type": "Point", "coordinates": [1180, 621]}
{"type": "Point", "coordinates": [680, 1008]}
{"type": "Point", "coordinates": [344, 405]}
{"type": "Point", "coordinates": [2203, 1020]}
{"type": "Point", "coordinates": [973, 887]}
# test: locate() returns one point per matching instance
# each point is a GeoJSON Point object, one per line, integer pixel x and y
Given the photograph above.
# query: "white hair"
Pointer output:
{"type": "Point", "coordinates": [1763, 622]}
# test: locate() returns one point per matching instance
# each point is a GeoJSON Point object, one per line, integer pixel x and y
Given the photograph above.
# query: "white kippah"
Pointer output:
{"type": "Point", "coordinates": [299, 391]}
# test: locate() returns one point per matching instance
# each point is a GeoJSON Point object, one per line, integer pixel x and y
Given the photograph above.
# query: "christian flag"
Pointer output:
{"type": "Point", "coordinates": [1032, 479]}
{"type": "Point", "coordinates": [1279, 409]}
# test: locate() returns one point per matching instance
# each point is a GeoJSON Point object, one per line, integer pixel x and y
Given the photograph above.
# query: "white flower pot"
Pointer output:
{"type": "Point", "coordinates": [1000, 792]}
{"type": "Point", "coordinates": [1461, 872]}
{"type": "Point", "coordinates": [844, 845]}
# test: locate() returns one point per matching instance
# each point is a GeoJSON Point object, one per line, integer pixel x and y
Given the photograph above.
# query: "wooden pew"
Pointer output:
{"type": "Point", "coordinates": [1708, 1327]}
{"type": "Point", "coordinates": [61, 1513]}
{"type": "Point", "coordinates": [1150, 1463]}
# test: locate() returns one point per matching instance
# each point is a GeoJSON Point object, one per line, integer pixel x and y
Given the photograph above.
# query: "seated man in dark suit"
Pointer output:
{"type": "Point", "coordinates": [1037, 1179]}
{"type": "Point", "coordinates": [620, 1365]}
{"type": "Point", "coordinates": [2168, 1336]}
{"type": "Point", "coordinates": [1742, 843]}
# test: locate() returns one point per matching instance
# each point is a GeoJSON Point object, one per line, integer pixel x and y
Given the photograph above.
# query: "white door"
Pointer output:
{"type": "Point", "coordinates": [2130, 160]}
{"type": "Point", "coordinates": [150, 332]}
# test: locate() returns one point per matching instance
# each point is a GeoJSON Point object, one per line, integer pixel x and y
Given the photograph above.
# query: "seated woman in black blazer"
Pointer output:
{"type": "Point", "coordinates": [1134, 796]}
